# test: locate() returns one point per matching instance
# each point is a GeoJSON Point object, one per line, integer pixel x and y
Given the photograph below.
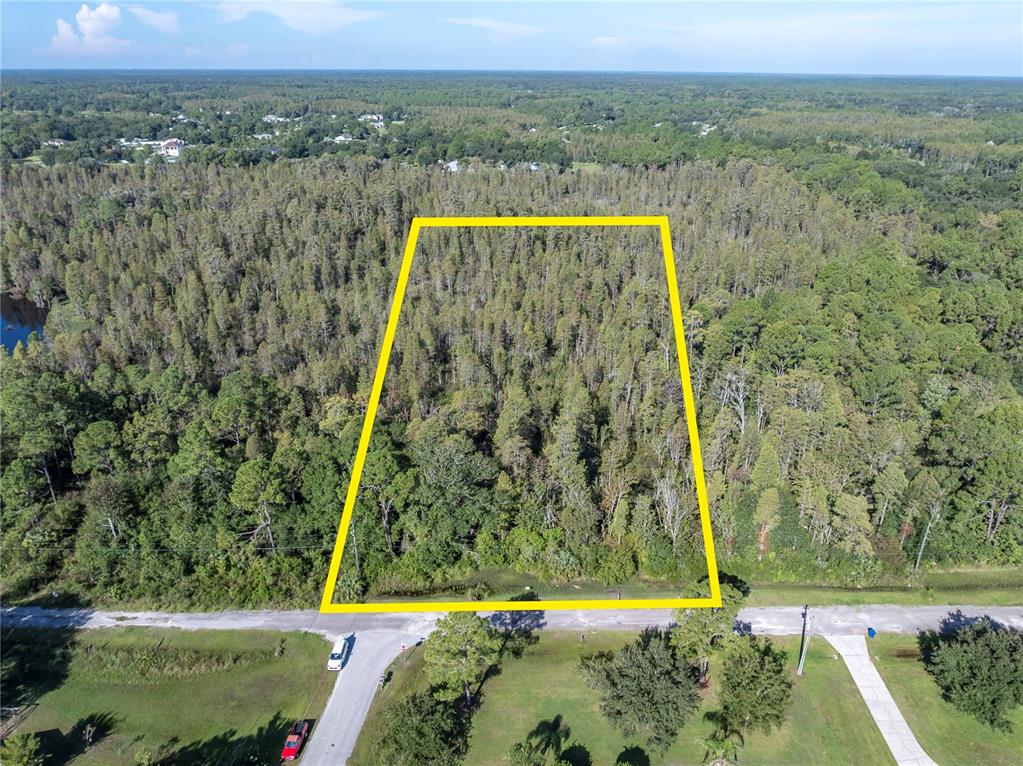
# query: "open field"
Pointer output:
{"type": "Point", "coordinates": [950, 737]}
{"type": "Point", "coordinates": [828, 722]}
{"type": "Point", "coordinates": [189, 697]}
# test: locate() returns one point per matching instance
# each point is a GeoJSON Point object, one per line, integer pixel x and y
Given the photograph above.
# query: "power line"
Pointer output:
{"type": "Point", "coordinates": [197, 548]}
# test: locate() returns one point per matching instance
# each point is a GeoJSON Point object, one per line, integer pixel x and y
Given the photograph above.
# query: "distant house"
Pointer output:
{"type": "Point", "coordinates": [371, 118]}
{"type": "Point", "coordinates": [273, 118]}
{"type": "Point", "coordinates": [171, 147]}
{"type": "Point", "coordinates": [450, 167]}
{"type": "Point", "coordinates": [56, 142]}
{"type": "Point", "coordinates": [262, 136]}
{"type": "Point", "coordinates": [534, 166]}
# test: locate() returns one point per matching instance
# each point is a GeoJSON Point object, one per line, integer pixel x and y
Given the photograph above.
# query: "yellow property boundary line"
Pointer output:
{"type": "Point", "coordinates": [661, 222]}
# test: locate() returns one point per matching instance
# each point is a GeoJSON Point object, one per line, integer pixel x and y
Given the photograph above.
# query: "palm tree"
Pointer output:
{"type": "Point", "coordinates": [723, 746]}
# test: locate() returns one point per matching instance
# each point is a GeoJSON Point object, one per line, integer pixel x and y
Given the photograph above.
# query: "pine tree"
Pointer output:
{"type": "Point", "coordinates": [755, 691]}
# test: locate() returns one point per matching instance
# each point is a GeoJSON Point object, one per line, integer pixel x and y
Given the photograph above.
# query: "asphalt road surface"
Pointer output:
{"type": "Point", "coordinates": [773, 620]}
{"type": "Point", "coordinates": [378, 640]}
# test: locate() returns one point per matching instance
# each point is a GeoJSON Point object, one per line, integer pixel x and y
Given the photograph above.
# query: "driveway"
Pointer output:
{"type": "Point", "coordinates": [338, 727]}
{"type": "Point", "coordinates": [885, 712]}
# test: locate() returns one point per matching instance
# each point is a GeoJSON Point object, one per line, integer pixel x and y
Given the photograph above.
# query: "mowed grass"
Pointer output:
{"type": "Point", "coordinates": [828, 722]}
{"type": "Point", "coordinates": [221, 716]}
{"type": "Point", "coordinates": [950, 737]}
{"type": "Point", "coordinates": [979, 587]}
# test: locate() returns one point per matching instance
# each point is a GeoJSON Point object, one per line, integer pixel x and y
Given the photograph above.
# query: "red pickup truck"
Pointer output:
{"type": "Point", "coordinates": [296, 737]}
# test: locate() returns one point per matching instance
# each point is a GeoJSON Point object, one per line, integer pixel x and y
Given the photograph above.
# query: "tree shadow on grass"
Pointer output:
{"type": "Point", "coordinates": [577, 755]}
{"type": "Point", "coordinates": [87, 732]}
{"type": "Point", "coordinates": [633, 756]}
{"type": "Point", "coordinates": [550, 739]}
{"type": "Point", "coordinates": [35, 660]}
{"type": "Point", "coordinates": [517, 630]}
{"type": "Point", "coordinates": [550, 736]}
{"type": "Point", "coordinates": [231, 749]}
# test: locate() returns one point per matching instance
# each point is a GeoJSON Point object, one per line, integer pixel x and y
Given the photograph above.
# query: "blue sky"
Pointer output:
{"type": "Point", "coordinates": [943, 38]}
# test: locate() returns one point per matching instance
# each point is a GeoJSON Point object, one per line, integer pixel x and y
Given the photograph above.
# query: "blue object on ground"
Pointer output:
{"type": "Point", "coordinates": [871, 632]}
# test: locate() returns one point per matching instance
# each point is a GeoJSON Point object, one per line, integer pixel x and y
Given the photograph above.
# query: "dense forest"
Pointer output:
{"type": "Point", "coordinates": [850, 259]}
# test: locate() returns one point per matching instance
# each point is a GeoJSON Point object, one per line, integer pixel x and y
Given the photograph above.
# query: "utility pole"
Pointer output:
{"type": "Point", "coordinates": [807, 632]}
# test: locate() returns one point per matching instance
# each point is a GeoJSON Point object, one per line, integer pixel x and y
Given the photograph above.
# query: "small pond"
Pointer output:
{"type": "Point", "coordinates": [20, 318]}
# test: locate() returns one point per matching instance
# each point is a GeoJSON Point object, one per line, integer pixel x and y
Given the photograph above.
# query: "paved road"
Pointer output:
{"type": "Point", "coordinates": [776, 621]}
{"type": "Point", "coordinates": [338, 727]}
{"type": "Point", "coordinates": [885, 712]}
{"type": "Point", "coordinates": [379, 638]}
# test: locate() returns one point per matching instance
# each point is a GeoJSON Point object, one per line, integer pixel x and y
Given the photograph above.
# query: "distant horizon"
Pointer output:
{"type": "Point", "coordinates": [855, 38]}
{"type": "Point", "coordinates": [414, 70]}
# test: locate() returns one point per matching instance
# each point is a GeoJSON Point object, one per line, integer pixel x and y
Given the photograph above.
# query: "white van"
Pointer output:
{"type": "Point", "coordinates": [340, 651]}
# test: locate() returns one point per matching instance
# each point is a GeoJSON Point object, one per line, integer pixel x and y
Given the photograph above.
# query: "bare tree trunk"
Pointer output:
{"type": "Point", "coordinates": [49, 483]}
{"type": "Point", "coordinates": [269, 531]}
{"type": "Point", "coordinates": [935, 513]}
{"type": "Point", "coordinates": [762, 542]}
{"type": "Point", "coordinates": [994, 520]}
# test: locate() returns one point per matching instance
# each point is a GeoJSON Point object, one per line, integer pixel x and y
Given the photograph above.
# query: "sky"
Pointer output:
{"type": "Point", "coordinates": [910, 38]}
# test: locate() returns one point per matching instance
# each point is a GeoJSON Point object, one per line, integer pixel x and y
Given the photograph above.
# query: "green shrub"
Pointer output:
{"type": "Point", "coordinates": [477, 591]}
{"type": "Point", "coordinates": [21, 750]}
{"type": "Point", "coordinates": [150, 664]}
{"type": "Point", "coordinates": [980, 671]}
{"type": "Point", "coordinates": [618, 565]}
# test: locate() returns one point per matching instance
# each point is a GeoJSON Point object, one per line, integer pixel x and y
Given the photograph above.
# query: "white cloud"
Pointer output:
{"type": "Point", "coordinates": [236, 49]}
{"type": "Point", "coordinates": [164, 21]}
{"type": "Point", "coordinates": [498, 31]}
{"type": "Point", "coordinates": [94, 32]}
{"type": "Point", "coordinates": [314, 18]}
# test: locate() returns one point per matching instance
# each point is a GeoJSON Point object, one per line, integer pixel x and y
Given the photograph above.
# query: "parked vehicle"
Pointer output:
{"type": "Point", "coordinates": [340, 651]}
{"type": "Point", "coordinates": [295, 740]}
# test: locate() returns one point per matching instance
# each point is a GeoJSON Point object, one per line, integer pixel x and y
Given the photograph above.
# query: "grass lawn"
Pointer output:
{"type": "Point", "coordinates": [236, 713]}
{"type": "Point", "coordinates": [981, 587]}
{"type": "Point", "coordinates": [978, 587]}
{"type": "Point", "coordinates": [950, 737]}
{"type": "Point", "coordinates": [828, 722]}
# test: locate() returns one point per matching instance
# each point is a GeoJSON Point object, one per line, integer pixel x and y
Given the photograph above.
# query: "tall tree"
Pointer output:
{"type": "Point", "coordinates": [755, 690]}
{"type": "Point", "coordinates": [418, 730]}
{"type": "Point", "coordinates": [258, 490]}
{"type": "Point", "coordinates": [461, 648]}
{"type": "Point", "coordinates": [889, 488]}
{"type": "Point", "coordinates": [980, 671]}
{"type": "Point", "coordinates": [697, 631]}
{"type": "Point", "coordinates": [645, 688]}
